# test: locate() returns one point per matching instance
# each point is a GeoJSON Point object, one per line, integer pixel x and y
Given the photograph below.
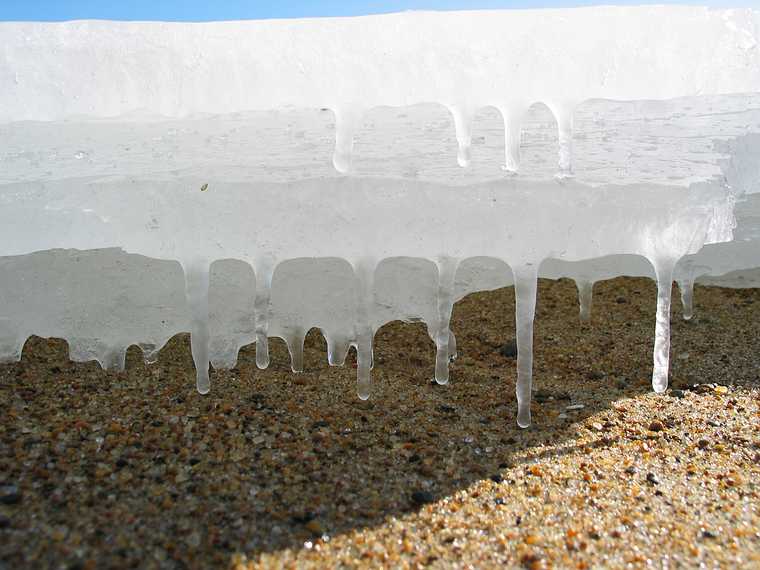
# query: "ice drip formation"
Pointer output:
{"type": "Point", "coordinates": [248, 180]}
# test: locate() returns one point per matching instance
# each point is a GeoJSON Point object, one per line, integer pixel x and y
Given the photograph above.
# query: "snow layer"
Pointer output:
{"type": "Point", "coordinates": [140, 161]}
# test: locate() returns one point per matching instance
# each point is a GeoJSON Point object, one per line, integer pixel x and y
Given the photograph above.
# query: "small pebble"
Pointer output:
{"type": "Point", "coordinates": [422, 497]}
{"type": "Point", "coordinates": [652, 480]}
{"type": "Point", "coordinates": [10, 495]}
{"type": "Point", "coordinates": [656, 425]}
{"type": "Point", "coordinates": [496, 478]}
{"type": "Point", "coordinates": [678, 393]}
{"type": "Point", "coordinates": [509, 349]}
{"type": "Point", "coordinates": [574, 407]}
{"type": "Point", "coordinates": [542, 396]}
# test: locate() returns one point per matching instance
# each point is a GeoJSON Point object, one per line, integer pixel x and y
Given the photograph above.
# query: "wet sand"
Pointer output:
{"type": "Point", "coordinates": [274, 469]}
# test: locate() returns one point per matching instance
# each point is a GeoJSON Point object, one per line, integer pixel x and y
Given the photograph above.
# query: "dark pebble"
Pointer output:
{"type": "Point", "coordinates": [631, 470]}
{"type": "Point", "coordinates": [652, 479]}
{"type": "Point", "coordinates": [677, 393]}
{"type": "Point", "coordinates": [596, 375]}
{"type": "Point", "coordinates": [5, 522]}
{"type": "Point", "coordinates": [498, 501]}
{"type": "Point", "coordinates": [621, 300]}
{"type": "Point", "coordinates": [422, 497]}
{"type": "Point", "coordinates": [121, 462]}
{"type": "Point", "coordinates": [709, 534]}
{"type": "Point", "coordinates": [304, 518]}
{"type": "Point", "coordinates": [9, 495]}
{"type": "Point", "coordinates": [497, 478]}
{"type": "Point", "coordinates": [508, 349]}
{"type": "Point", "coordinates": [542, 396]}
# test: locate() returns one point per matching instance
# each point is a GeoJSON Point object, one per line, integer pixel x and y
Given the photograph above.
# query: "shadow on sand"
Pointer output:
{"type": "Point", "coordinates": [137, 469]}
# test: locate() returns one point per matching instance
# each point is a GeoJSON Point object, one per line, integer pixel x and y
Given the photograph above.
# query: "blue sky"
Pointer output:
{"type": "Point", "coordinates": [200, 10]}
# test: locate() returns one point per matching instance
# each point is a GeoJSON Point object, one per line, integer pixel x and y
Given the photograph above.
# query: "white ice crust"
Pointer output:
{"type": "Point", "coordinates": [158, 178]}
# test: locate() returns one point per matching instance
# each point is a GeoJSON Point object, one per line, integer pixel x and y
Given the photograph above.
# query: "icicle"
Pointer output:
{"type": "Point", "coordinates": [526, 281]}
{"type": "Point", "coordinates": [196, 291]}
{"type": "Point", "coordinates": [452, 347]}
{"type": "Point", "coordinates": [463, 126]}
{"type": "Point", "coordinates": [447, 268]}
{"type": "Point", "coordinates": [364, 276]}
{"type": "Point", "coordinates": [564, 116]}
{"type": "Point", "coordinates": [18, 350]}
{"type": "Point", "coordinates": [513, 115]}
{"type": "Point", "coordinates": [337, 349]}
{"type": "Point", "coordinates": [114, 359]}
{"type": "Point", "coordinates": [664, 271]}
{"type": "Point", "coordinates": [585, 298]}
{"type": "Point", "coordinates": [264, 270]}
{"type": "Point", "coordinates": [295, 342]}
{"type": "Point", "coordinates": [150, 352]}
{"type": "Point", "coordinates": [347, 121]}
{"type": "Point", "coordinates": [686, 286]}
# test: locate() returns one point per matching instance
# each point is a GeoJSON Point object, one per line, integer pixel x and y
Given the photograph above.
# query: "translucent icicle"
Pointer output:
{"type": "Point", "coordinates": [264, 270]}
{"type": "Point", "coordinates": [686, 286]}
{"type": "Point", "coordinates": [295, 342]}
{"type": "Point", "coordinates": [364, 275]}
{"type": "Point", "coordinates": [18, 350]}
{"type": "Point", "coordinates": [150, 352]}
{"type": "Point", "coordinates": [196, 291]}
{"type": "Point", "coordinates": [664, 272]}
{"type": "Point", "coordinates": [564, 116]}
{"type": "Point", "coordinates": [452, 346]}
{"type": "Point", "coordinates": [585, 298]}
{"type": "Point", "coordinates": [526, 281]}
{"type": "Point", "coordinates": [512, 115]}
{"type": "Point", "coordinates": [347, 120]}
{"type": "Point", "coordinates": [337, 349]}
{"type": "Point", "coordinates": [115, 359]}
{"type": "Point", "coordinates": [447, 268]}
{"type": "Point", "coordinates": [463, 126]}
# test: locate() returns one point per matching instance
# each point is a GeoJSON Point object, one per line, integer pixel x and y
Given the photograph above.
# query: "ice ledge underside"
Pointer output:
{"type": "Point", "coordinates": [367, 220]}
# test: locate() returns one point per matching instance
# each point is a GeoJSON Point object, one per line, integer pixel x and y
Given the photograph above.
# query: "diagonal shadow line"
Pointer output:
{"type": "Point", "coordinates": [143, 466]}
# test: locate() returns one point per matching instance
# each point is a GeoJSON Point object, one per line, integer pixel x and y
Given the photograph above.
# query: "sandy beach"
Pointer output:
{"type": "Point", "coordinates": [272, 469]}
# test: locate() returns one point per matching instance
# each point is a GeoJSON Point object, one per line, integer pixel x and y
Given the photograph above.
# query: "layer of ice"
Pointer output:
{"type": "Point", "coordinates": [159, 178]}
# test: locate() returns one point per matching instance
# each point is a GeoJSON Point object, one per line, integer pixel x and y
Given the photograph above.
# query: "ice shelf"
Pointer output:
{"type": "Point", "coordinates": [248, 180]}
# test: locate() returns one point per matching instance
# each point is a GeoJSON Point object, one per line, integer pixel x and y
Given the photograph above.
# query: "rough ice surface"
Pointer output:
{"type": "Point", "coordinates": [248, 180]}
